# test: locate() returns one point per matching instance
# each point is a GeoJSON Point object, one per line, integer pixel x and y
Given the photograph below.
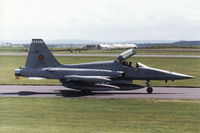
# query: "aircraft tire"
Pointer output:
{"type": "Point", "coordinates": [149, 90]}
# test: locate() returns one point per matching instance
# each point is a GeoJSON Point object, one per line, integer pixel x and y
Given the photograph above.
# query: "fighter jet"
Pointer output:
{"type": "Point", "coordinates": [95, 76]}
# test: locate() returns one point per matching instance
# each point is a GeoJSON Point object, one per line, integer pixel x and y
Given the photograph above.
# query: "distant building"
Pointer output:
{"type": "Point", "coordinates": [115, 45]}
{"type": "Point", "coordinates": [6, 44]}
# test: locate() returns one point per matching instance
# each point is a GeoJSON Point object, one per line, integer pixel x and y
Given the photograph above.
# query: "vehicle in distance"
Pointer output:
{"type": "Point", "coordinates": [96, 76]}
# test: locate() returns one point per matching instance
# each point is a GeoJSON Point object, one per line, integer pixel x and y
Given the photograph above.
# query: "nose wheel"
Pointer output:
{"type": "Point", "coordinates": [149, 89]}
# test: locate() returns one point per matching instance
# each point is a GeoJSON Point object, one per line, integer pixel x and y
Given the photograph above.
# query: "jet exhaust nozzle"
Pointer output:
{"type": "Point", "coordinates": [17, 72]}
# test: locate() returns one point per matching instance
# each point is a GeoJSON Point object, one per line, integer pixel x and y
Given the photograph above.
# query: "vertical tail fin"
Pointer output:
{"type": "Point", "coordinates": [40, 56]}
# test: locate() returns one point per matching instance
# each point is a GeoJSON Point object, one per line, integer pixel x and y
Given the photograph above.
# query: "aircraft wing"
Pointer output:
{"type": "Point", "coordinates": [90, 79]}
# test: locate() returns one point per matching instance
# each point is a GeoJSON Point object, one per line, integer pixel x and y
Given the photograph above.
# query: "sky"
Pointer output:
{"type": "Point", "coordinates": [100, 20]}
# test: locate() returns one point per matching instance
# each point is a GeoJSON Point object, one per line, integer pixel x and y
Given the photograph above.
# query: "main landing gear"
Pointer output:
{"type": "Point", "coordinates": [149, 89]}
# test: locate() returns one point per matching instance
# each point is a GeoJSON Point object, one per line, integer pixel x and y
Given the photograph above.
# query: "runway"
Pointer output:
{"type": "Point", "coordinates": [110, 55]}
{"type": "Point", "coordinates": [62, 92]}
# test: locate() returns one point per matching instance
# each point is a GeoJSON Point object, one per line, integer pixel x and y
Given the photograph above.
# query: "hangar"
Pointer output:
{"type": "Point", "coordinates": [116, 45]}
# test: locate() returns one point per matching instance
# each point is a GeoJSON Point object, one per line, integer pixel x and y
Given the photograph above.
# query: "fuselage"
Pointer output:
{"type": "Point", "coordinates": [112, 69]}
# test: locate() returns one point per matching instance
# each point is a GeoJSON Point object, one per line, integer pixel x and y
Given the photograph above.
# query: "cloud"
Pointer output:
{"type": "Point", "coordinates": [100, 19]}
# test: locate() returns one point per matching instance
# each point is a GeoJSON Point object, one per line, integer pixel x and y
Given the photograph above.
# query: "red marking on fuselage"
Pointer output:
{"type": "Point", "coordinates": [41, 57]}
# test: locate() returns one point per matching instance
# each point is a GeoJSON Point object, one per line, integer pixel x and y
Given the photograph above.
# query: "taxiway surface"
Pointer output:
{"type": "Point", "coordinates": [60, 91]}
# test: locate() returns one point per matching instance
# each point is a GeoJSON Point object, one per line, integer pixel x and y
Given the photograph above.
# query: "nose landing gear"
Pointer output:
{"type": "Point", "coordinates": [149, 89]}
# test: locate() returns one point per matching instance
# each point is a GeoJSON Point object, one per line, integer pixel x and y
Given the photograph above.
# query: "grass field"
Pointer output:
{"type": "Point", "coordinates": [10, 49]}
{"type": "Point", "coordinates": [166, 51]}
{"type": "Point", "coordinates": [75, 115]}
{"type": "Point", "coordinates": [169, 51]}
{"type": "Point", "coordinates": [34, 115]}
{"type": "Point", "coordinates": [190, 66]}
{"type": "Point", "coordinates": [147, 51]}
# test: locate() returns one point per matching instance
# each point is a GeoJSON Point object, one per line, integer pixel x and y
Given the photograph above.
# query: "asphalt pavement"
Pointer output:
{"type": "Point", "coordinates": [62, 92]}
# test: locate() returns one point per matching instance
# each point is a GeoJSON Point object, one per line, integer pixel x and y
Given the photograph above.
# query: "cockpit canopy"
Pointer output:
{"type": "Point", "coordinates": [125, 55]}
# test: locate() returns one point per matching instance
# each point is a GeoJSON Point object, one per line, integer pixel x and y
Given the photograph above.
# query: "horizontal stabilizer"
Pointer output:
{"type": "Point", "coordinates": [91, 79]}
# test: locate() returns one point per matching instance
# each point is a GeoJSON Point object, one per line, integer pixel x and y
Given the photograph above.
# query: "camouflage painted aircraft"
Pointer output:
{"type": "Point", "coordinates": [96, 76]}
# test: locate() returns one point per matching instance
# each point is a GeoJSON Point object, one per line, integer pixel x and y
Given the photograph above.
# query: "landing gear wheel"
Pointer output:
{"type": "Point", "coordinates": [86, 92]}
{"type": "Point", "coordinates": [149, 90]}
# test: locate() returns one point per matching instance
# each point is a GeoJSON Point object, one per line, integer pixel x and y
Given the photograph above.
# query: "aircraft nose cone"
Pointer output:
{"type": "Point", "coordinates": [181, 76]}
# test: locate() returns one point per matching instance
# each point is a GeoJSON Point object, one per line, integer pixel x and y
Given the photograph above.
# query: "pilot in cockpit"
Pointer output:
{"type": "Point", "coordinates": [130, 63]}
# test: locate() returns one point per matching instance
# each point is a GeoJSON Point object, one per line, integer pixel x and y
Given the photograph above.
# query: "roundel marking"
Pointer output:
{"type": "Point", "coordinates": [41, 57]}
